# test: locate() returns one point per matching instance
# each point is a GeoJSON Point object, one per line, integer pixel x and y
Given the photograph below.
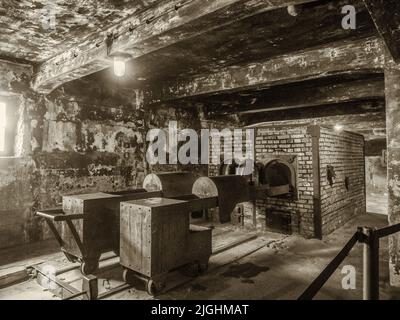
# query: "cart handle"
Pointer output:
{"type": "Point", "coordinates": [57, 214]}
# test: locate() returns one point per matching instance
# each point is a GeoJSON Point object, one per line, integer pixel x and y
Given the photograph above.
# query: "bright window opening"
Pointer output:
{"type": "Point", "coordinates": [2, 126]}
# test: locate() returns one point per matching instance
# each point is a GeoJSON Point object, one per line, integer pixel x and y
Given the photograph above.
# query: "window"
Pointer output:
{"type": "Point", "coordinates": [8, 125]}
{"type": "Point", "coordinates": [2, 127]}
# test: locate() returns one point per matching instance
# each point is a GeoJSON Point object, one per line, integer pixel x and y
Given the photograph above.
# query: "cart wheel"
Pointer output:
{"type": "Point", "coordinates": [153, 288]}
{"type": "Point", "coordinates": [88, 267]}
{"type": "Point", "coordinates": [128, 276]}
{"type": "Point", "coordinates": [125, 275]}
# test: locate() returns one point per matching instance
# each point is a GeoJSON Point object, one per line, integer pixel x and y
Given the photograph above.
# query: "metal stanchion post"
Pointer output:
{"type": "Point", "coordinates": [371, 265]}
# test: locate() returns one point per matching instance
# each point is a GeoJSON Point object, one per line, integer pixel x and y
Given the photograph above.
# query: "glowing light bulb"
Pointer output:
{"type": "Point", "coordinates": [119, 66]}
{"type": "Point", "coordinates": [338, 127]}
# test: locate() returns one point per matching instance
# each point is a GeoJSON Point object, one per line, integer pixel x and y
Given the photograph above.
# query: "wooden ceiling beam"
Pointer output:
{"type": "Point", "coordinates": [302, 96]}
{"type": "Point", "coordinates": [355, 113]}
{"type": "Point", "coordinates": [386, 16]}
{"type": "Point", "coordinates": [335, 58]}
{"type": "Point", "coordinates": [162, 25]}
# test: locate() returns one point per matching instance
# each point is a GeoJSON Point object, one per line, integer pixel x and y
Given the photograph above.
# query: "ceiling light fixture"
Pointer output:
{"type": "Point", "coordinates": [294, 10]}
{"type": "Point", "coordinates": [119, 61]}
{"type": "Point", "coordinates": [338, 127]}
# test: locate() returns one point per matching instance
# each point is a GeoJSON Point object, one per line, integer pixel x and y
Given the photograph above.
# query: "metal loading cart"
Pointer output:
{"type": "Point", "coordinates": [87, 225]}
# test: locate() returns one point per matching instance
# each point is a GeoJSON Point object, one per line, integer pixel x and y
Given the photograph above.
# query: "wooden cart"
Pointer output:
{"type": "Point", "coordinates": [89, 223]}
{"type": "Point", "coordinates": [157, 238]}
{"type": "Point", "coordinates": [88, 227]}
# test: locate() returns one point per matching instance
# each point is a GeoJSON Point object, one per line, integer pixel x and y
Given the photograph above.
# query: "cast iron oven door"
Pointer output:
{"type": "Point", "coordinates": [280, 177]}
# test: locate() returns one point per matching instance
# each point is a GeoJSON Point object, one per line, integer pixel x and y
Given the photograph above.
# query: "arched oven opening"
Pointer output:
{"type": "Point", "coordinates": [228, 167]}
{"type": "Point", "coordinates": [247, 168]}
{"type": "Point", "coordinates": [280, 178]}
{"type": "Point", "coordinates": [244, 213]}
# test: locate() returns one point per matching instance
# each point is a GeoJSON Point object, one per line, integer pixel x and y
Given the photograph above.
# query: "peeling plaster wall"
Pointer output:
{"type": "Point", "coordinates": [392, 83]}
{"type": "Point", "coordinates": [14, 78]}
{"type": "Point", "coordinates": [82, 138]}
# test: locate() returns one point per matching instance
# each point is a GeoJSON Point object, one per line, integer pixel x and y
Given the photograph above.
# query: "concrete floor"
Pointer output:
{"type": "Point", "coordinates": [377, 203]}
{"type": "Point", "coordinates": [281, 269]}
{"type": "Point", "coordinates": [285, 269]}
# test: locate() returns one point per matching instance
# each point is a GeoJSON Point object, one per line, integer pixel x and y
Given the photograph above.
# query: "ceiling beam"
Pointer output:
{"type": "Point", "coordinates": [386, 16]}
{"type": "Point", "coordinates": [357, 113]}
{"type": "Point", "coordinates": [335, 58]}
{"type": "Point", "coordinates": [159, 26]}
{"type": "Point", "coordinates": [302, 96]}
{"type": "Point", "coordinates": [360, 123]}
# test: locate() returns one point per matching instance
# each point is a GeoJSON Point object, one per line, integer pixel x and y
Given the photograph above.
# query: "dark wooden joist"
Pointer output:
{"type": "Point", "coordinates": [358, 113]}
{"type": "Point", "coordinates": [335, 58]}
{"type": "Point", "coordinates": [386, 16]}
{"type": "Point", "coordinates": [364, 117]}
{"type": "Point", "coordinates": [300, 96]}
{"type": "Point", "coordinates": [162, 25]}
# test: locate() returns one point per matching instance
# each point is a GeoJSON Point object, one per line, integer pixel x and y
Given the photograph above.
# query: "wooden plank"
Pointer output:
{"type": "Point", "coordinates": [158, 26]}
{"type": "Point", "coordinates": [357, 115]}
{"type": "Point", "coordinates": [386, 16]}
{"type": "Point", "coordinates": [135, 242]}
{"type": "Point", "coordinates": [68, 280]}
{"type": "Point", "coordinates": [170, 231]}
{"type": "Point", "coordinates": [154, 235]}
{"type": "Point", "coordinates": [336, 58]}
{"type": "Point", "coordinates": [12, 276]}
{"type": "Point", "coordinates": [17, 261]}
{"type": "Point", "coordinates": [50, 281]}
{"type": "Point", "coordinates": [304, 96]}
{"type": "Point", "coordinates": [98, 231]}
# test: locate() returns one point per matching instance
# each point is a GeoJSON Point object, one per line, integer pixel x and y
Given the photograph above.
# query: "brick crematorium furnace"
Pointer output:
{"type": "Point", "coordinates": [320, 171]}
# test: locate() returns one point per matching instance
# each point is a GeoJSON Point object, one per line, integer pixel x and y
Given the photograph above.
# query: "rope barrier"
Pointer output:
{"type": "Point", "coordinates": [370, 238]}
{"type": "Point", "coordinates": [317, 284]}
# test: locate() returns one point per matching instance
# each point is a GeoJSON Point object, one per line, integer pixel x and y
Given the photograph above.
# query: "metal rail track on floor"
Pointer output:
{"type": "Point", "coordinates": [56, 283]}
{"type": "Point", "coordinates": [68, 292]}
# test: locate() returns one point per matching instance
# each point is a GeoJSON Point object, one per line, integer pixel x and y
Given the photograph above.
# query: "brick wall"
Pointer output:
{"type": "Point", "coordinates": [345, 153]}
{"type": "Point", "coordinates": [297, 141]}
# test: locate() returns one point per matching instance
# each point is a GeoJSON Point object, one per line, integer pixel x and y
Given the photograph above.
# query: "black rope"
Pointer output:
{"type": "Point", "coordinates": [318, 283]}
